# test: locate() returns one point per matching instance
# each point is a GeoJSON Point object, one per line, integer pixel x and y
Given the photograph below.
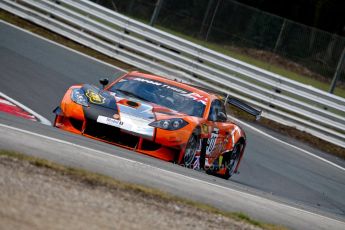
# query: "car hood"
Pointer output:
{"type": "Point", "coordinates": [125, 112]}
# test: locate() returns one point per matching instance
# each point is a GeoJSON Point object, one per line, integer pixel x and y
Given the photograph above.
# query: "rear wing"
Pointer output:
{"type": "Point", "coordinates": [245, 107]}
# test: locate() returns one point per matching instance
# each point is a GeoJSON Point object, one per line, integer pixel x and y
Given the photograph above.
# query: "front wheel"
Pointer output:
{"type": "Point", "coordinates": [190, 151]}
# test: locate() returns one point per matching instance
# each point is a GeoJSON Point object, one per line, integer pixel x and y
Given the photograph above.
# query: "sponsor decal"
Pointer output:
{"type": "Point", "coordinates": [178, 90]}
{"type": "Point", "coordinates": [236, 129]}
{"type": "Point", "coordinates": [220, 160]}
{"type": "Point", "coordinates": [197, 97]}
{"type": "Point", "coordinates": [211, 142]}
{"type": "Point", "coordinates": [95, 97]}
{"type": "Point", "coordinates": [109, 121]}
{"type": "Point", "coordinates": [148, 81]}
{"type": "Point", "coordinates": [207, 163]}
{"type": "Point", "coordinates": [130, 123]}
{"type": "Point", "coordinates": [204, 129]}
{"type": "Point", "coordinates": [219, 147]}
{"type": "Point", "coordinates": [194, 96]}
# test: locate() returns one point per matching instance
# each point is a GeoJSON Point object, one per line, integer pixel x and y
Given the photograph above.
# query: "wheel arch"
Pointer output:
{"type": "Point", "coordinates": [242, 141]}
{"type": "Point", "coordinates": [197, 132]}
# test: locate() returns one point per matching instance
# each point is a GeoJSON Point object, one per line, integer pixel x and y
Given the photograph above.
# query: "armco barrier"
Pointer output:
{"type": "Point", "coordinates": [282, 100]}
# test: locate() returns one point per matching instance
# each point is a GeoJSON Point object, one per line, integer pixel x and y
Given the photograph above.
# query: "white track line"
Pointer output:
{"type": "Point", "coordinates": [40, 118]}
{"type": "Point", "coordinates": [237, 120]}
{"type": "Point", "coordinates": [163, 170]}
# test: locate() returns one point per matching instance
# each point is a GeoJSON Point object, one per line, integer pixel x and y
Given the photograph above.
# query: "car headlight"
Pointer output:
{"type": "Point", "coordinates": [170, 124]}
{"type": "Point", "coordinates": [79, 97]}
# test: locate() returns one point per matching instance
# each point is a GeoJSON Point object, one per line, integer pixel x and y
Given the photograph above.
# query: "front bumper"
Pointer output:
{"type": "Point", "coordinates": [120, 137]}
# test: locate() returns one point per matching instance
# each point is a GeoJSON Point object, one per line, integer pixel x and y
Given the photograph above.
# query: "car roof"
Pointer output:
{"type": "Point", "coordinates": [193, 88]}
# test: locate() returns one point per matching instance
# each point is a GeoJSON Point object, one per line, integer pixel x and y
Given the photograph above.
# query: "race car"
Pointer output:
{"type": "Point", "coordinates": [156, 116]}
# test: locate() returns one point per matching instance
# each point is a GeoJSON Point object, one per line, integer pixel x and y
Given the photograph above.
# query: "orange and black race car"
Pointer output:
{"type": "Point", "coordinates": [156, 116]}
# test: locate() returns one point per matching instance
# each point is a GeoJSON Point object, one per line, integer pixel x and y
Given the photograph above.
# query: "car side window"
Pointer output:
{"type": "Point", "coordinates": [216, 107]}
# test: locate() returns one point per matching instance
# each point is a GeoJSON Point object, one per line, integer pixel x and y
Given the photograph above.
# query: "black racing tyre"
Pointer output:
{"type": "Point", "coordinates": [190, 150]}
{"type": "Point", "coordinates": [55, 120]}
{"type": "Point", "coordinates": [231, 160]}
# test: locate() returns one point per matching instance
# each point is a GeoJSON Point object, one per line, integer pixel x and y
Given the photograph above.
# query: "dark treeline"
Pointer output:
{"type": "Point", "coordinates": [244, 25]}
{"type": "Point", "coordinates": [327, 15]}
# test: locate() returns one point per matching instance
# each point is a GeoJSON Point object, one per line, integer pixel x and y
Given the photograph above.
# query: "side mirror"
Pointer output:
{"type": "Point", "coordinates": [222, 116]}
{"type": "Point", "coordinates": [104, 82]}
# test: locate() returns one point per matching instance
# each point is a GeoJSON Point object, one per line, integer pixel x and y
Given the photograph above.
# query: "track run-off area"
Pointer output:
{"type": "Point", "coordinates": [278, 183]}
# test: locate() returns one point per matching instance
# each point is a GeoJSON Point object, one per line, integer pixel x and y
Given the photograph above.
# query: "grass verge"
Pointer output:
{"type": "Point", "coordinates": [95, 179]}
{"type": "Point", "coordinates": [285, 130]}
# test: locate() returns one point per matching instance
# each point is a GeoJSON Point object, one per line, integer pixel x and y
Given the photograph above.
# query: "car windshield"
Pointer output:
{"type": "Point", "coordinates": [162, 94]}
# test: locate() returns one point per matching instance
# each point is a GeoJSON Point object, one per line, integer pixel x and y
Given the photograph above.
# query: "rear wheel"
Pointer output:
{"type": "Point", "coordinates": [190, 150]}
{"type": "Point", "coordinates": [231, 161]}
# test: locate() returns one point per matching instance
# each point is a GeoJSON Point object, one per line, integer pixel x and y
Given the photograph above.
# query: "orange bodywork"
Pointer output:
{"type": "Point", "coordinates": [168, 145]}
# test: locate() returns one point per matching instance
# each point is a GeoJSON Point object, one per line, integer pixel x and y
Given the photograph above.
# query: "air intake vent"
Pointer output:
{"type": "Point", "coordinates": [132, 104]}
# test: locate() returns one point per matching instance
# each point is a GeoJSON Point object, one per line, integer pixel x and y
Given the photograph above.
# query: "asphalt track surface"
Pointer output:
{"type": "Point", "coordinates": [36, 73]}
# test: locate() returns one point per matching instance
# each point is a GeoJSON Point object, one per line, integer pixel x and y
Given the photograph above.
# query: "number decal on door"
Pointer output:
{"type": "Point", "coordinates": [211, 142]}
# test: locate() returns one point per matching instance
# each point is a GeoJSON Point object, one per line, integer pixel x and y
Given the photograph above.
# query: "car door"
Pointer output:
{"type": "Point", "coordinates": [219, 131]}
